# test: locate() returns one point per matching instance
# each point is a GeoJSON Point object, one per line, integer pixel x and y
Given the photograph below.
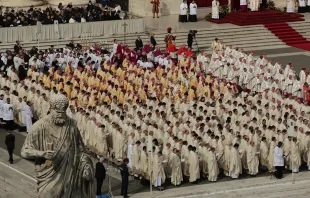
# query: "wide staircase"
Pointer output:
{"type": "Point", "coordinates": [303, 28]}
{"type": "Point", "coordinates": [251, 38]}
{"type": "Point", "coordinates": [242, 37]}
{"type": "Point", "coordinates": [289, 35]}
{"type": "Point", "coordinates": [255, 18]}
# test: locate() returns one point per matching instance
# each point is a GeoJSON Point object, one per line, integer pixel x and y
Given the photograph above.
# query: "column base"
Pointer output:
{"type": "Point", "coordinates": [66, 2]}
{"type": "Point", "coordinates": [143, 8]}
{"type": "Point", "coordinates": [21, 3]}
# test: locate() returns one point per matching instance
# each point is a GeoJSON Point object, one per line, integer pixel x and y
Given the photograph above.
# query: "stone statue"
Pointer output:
{"type": "Point", "coordinates": [63, 169]}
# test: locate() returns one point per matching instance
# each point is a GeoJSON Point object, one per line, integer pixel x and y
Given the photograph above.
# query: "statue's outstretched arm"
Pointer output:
{"type": "Point", "coordinates": [30, 148]}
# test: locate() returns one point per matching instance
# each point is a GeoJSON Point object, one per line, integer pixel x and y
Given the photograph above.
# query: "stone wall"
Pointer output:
{"type": "Point", "coordinates": [144, 7]}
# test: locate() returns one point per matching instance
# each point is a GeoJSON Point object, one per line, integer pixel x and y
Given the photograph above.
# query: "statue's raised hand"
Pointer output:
{"type": "Point", "coordinates": [47, 154]}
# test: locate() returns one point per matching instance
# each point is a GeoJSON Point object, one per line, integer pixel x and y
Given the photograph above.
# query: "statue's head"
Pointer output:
{"type": "Point", "coordinates": [58, 106]}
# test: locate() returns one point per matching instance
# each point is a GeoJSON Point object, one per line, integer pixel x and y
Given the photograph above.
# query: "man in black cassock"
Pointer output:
{"type": "Point", "coordinates": [125, 175]}
{"type": "Point", "coordinates": [100, 175]}
{"type": "Point", "coordinates": [190, 38]}
{"type": "Point", "coordinates": [10, 145]}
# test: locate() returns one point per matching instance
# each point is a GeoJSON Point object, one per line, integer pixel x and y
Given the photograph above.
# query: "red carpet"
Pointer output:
{"type": "Point", "coordinates": [288, 35]}
{"type": "Point", "coordinates": [257, 18]}
{"type": "Point", "coordinates": [275, 21]}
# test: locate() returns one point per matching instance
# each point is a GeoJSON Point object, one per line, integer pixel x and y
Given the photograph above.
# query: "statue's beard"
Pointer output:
{"type": "Point", "coordinates": [59, 121]}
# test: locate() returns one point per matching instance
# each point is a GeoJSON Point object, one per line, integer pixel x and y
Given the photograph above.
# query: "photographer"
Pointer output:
{"type": "Point", "coordinates": [190, 38]}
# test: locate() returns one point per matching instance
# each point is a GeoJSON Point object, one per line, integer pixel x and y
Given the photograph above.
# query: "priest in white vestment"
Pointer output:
{"type": "Point", "coordinates": [295, 155]}
{"type": "Point", "coordinates": [254, 5]}
{"type": "Point", "coordinates": [290, 8]}
{"type": "Point", "coordinates": [135, 160]}
{"type": "Point", "coordinates": [29, 116]}
{"type": "Point", "coordinates": [175, 163]}
{"type": "Point", "coordinates": [252, 159]}
{"type": "Point", "coordinates": [194, 171]}
{"type": "Point", "coordinates": [23, 110]}
{"type": "Point", "coordinates": [213, 169]}
{"type": "Point", "coordinates": [263, 153]}
{"type": "Point", "coordinates": [158, 173]}
{"type": "Point", "coordinates": [101, 145]}
{"type": "Point", "coordinates": [272, 146]}
{"type": "Point", "coordinates": [215, 9]}
{"type": "Point", "coordinates": [144, 164]}
{"type": "Point", "coordinates": [235, 166]}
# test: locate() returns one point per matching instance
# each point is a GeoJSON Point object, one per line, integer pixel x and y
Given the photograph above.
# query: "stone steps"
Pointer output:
{"type": "Point", "coordinates": [237, 36]}
{"type": "Point", "coordinates": [9, 191]}
{"type": "Point", "coordinates": [302, 28]}
{"type": "Point", "coordinates": [202, 33]}
{"type": "Point", "coordinates": [16, 183]}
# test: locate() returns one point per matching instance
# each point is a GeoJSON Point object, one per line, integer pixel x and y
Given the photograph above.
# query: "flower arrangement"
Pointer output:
{"type": "Point", "coordinates": [271, 6]}
{"type": "Point", "coordinates": [208, 16]}
{"type": "Point", "coordinates": [224, 10]}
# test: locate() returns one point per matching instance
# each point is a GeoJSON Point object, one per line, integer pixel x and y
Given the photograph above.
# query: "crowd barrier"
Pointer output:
{"type": "Point", "coordinates": [70, 30]}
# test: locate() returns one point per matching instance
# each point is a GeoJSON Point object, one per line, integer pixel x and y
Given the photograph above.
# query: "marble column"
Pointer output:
{"type": "Point", "coordinates": [21, 3]}
{"type": "Point", "coordinates": [66, 2]}
{"type": "Point", "coordinates": [144, 7]}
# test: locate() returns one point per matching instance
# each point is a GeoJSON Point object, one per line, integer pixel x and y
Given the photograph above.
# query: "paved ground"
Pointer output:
{"type": "Point", "coordinates": [27, 166]}
{"type": "Point", "coordinates": [138, 190]}
{"type": "Point", "coordinates": [257, 187]}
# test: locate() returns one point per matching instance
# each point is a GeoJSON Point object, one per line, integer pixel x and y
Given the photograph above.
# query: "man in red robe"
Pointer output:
{"type": "Point", "coordinates": [189, 52]}
{"type": "Point", "coordinates": [169, 37]}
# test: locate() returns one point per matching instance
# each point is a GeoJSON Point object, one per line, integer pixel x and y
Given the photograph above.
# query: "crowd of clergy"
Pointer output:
{"type": "Point", "coordinates": [175, 121]}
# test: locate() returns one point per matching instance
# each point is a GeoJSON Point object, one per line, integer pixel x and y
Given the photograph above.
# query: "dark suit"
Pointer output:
{"type": "Point", "coordinates": [22, 74]}
{"type": "Point", "coordinates": [125, 175]}
{"type": "Point", "coordinates": [10, 144]}
{"type": "Point", "coordinates": [100, 176]}
{"type": "Point", "coordinates": [190, 39]}
{"type": "Point", "coordinates": [17, 48]}
{"type": "Point", "coordinates": [139, 44]}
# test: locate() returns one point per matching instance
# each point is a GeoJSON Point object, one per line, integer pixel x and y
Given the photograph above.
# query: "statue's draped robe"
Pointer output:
{"type": "Point", "coordinates": [64, 179]}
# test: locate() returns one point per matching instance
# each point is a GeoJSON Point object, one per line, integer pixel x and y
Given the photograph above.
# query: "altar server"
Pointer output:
{"type": "Point", "coordinates": [8, 114]}
{"type": "Point", "coordinates": [243, 5]}
{"type": "Point", "coordinates": [193, 12]}
{"type": "Point", "coordinates": [183, 11]}
{"type": "Point", "coordinates": [302, 6]}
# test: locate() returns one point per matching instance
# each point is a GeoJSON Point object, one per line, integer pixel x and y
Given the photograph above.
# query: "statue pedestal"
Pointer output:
{"type": "Point", "coordinates": [144, 7]}
{"type": "Point", "coordinates": [21, 3]}
{"type": "Point", "coordinates": [66, 2]}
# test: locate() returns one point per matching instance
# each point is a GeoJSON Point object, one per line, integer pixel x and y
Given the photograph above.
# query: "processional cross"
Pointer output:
{"type": "Point", "coordinates": [125, 29]}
